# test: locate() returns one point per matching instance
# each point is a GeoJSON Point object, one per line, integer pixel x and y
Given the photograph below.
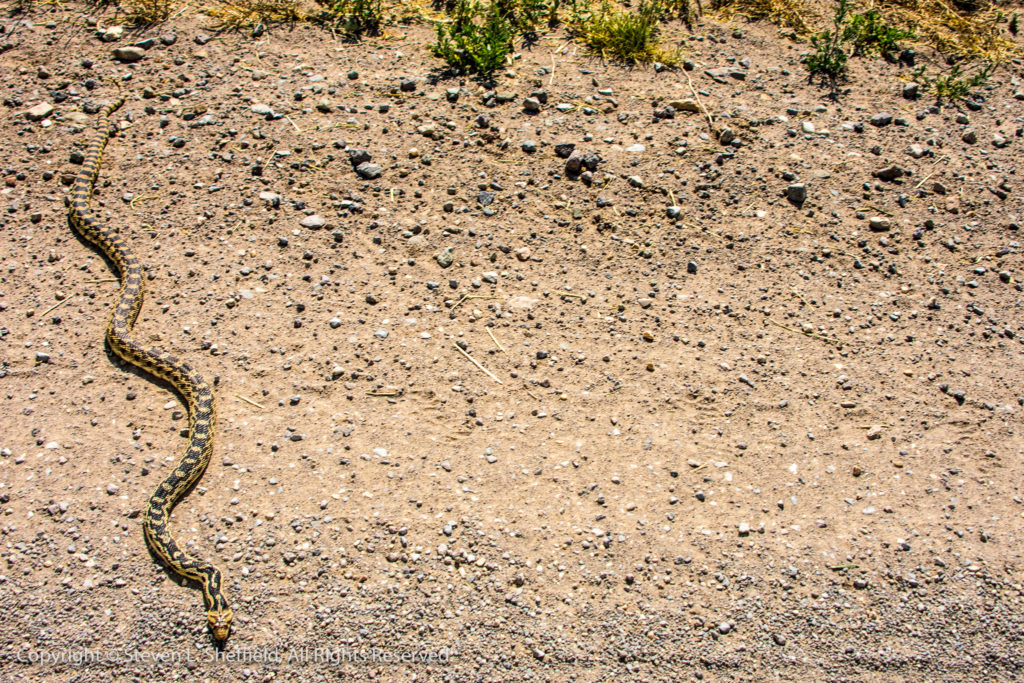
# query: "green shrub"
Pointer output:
{"type": "Point", "coordinates": [477, 40]}
{"type": "Point", "coordinates": [955, 84]}
{"type": "Point", "coordinates": [869, 34]}
{"type": "Point", "coordinates": [829, 58]}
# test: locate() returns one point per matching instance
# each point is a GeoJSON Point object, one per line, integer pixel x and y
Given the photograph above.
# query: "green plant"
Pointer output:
{"type": "Point", "coordinates": [527, 16]}
{"type": "Point", "coordinates": [829, 58]}
{"type": "Point", "coordinates": [624, 36]}
{"type": "Point", "coordinates": [354, 17]}
{"type": "Point", "coordinates": [955, 84]}
{"type": "Point", "coordinates": [870, 34]}
{"type": "Point", "coordinates": [477, 40]}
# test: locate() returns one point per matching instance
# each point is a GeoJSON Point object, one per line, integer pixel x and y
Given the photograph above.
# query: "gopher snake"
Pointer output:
{"type": "Point", "coordinates": [192, 387]}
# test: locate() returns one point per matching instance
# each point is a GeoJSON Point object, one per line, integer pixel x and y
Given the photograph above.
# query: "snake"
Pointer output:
{"type": "Point", "coordinates": [186, 381]}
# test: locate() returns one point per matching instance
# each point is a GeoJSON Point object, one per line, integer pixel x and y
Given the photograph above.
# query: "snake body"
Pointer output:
{"type": "Point", "coordinates": [196, 393]}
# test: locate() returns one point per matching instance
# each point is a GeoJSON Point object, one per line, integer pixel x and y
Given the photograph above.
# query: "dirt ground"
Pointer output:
{"type": "Point", "coordinates": [716, 433]}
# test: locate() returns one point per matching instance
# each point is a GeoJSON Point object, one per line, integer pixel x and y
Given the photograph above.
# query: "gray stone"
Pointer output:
{"type": "Point", "coordinates": [531, 104]}
{"type": "Point", "coordinates": [261, 109]}
{"type": "Point", "coordinates": [879, 224]}
{"type": "Point", "coordinates": [313, 222]}
{"type": "Point", "coordinates": [168, 38]}
{"type": "Point", "coordinates": [358, 156]}
{"type": "Point", "coordinates": [564, 150]}
{"type": "Point", "coordinates": [636, 149]}
{"type": "Point", "coordinates": [112, 34]}
{"type": "Point", "coordinates": [39, 112]}
{"type": "Point", "coordinates": [881, 119]}
{"type": "Point", "coordinates": [889, 173]}
{"type": "Point", "coordinates": [911, 91]}
{"type": "Point", "coordinates": [128, 53]}
{"type": "Point", "coordinates": [445, 257]}
{"type": "Point", "coordinates": [368, 171]}
{"type": "Point", "coordinates": [797, 193]}
{"type": "Point", "coordinates": [529, 146]}
{"type": "Point", "coordinates": [720, 74]}
{"type": "Point", "coordinates": [970, 136]}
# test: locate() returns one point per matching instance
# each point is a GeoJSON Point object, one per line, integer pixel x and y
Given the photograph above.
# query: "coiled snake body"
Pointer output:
{"type": "Point", "coordinates": [193, 388]}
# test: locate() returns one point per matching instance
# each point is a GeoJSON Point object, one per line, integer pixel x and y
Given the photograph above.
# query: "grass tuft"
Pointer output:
{"type": "Point", "coordinates": [242, 14]}
{"type": "Point", "coordinates": [147, 12]}
{"type": "Point", "coordinates": [623, 36]}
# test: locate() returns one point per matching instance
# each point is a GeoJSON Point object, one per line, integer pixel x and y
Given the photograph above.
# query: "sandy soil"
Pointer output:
{"type": "Point", "coordinates": [739, 439]}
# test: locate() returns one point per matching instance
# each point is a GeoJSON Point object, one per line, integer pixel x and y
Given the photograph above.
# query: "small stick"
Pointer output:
{"type": "Point", "coordinates": [297, 129]}
{"type": "Point", "coordinates": [474, 362]}
{"type": "Point", "coordinates": [700, 104]}
{"type": "Point", "coordinates": [570, 294]}
{"type": "Point", "coordinates": [807, 334]}
{"type": "Point", "coordinates": [250, 402]}
{"type": "Point", "coordinates": [382, 393]}
{"type": "Point", "coordinates": [472, 296]}
{"type": "Point", "coordinates": [937, 162]}
{"type": "Point", "coordinates": [493, 339]}
{"type": "Point", "coordinates": [142, 199]}
{"type": "Point", "coordinates": [553, 64]}
{"type": "Point", "coordinates": [840, 567]}
{"type": "Point", "coordinates": [107, 279]}
{"type": "Point", "coordinates": [59, 303]}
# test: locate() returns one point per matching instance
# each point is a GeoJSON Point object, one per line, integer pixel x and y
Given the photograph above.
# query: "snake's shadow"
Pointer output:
{"type": "Point", "coordinates": [147, 376]}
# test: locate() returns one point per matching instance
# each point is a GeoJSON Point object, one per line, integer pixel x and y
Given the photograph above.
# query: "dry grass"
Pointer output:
{"type": "Point", "coordinates": [240, 14]}
{"type": "Point", "coordinates": [791, 14]}
{"type": "Point", "coordinates": [971, 34]}
{"type": "Point", "coordinates": [965, 31]}
{"type": "Point", "coordinates": [147, 12]}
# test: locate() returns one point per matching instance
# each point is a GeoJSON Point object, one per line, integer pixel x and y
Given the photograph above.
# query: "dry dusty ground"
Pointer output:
{"type": "Point", "coordinates": [741, 440]}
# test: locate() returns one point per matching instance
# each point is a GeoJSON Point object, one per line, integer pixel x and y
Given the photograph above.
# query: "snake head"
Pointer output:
{"type": "Point", "coordinates": [219, 621]}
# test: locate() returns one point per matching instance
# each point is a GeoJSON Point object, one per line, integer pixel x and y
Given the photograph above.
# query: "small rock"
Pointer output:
{"type": "Point", "coordinates": [529, 146]}
{"type": "Point", "coordinates": [112, 489]}
{"type": "Point", "coordinates": [889, 173]}
{"type": "Point", "coordinates": [129, 53]}
{"type": "Point", "coordinates": [39, 112]}
{"type": "Point", "coordinates": [881, 119]}
{"type": "Point", "coordinates": [358, 156]}
{"type": "Point", "coordinates": [112, 34]}
{"type": "Point", "coordinates": [879, 224]}
{"type": "Point", "coordinates": [689, 106]}
{"type": "Point", "coordinates": [168, 38]}
{"type": "Point", "coordinates": [445, 257]}
{"type": "Point", "coordinates": [970, 136]}
{"type": "Point", "coordinates": [797, 193]}
{"type": "Point", "coordinates": [531, 105]}
{"type": "Point", "coordinates": [314, 222]}
{"type": "Point", "coordinates": [408, 85]}
{"type": "Point", "coordinates": [564, 150]}
{"type": "Point", "coordinates": [368, 171]}
{"type": "Point", "coordinates": [911, 91]}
